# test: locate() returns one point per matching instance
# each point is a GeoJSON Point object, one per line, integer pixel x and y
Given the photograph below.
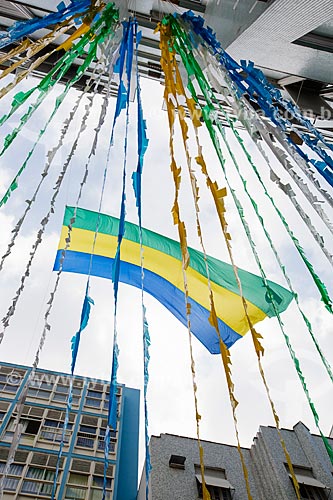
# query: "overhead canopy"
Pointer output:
{"type": "Point", "coordinates": [309, 481]}
{"type": "Point", "coordinates": [163, 277]}
{"type": "Point", "coordinates": [212, 480]}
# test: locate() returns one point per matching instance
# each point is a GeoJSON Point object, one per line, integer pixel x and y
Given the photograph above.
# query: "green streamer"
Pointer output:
{"type": "Point", "coordinates": [183, 47]}
{"type": "Point", "coordinates": [239, 104]}
{"type": "Point", "coordinates": [248, 155]}
{"type": "Point", "coordinates": [109, 22]}
{"type": "Point", "coordinates": [96, 35]}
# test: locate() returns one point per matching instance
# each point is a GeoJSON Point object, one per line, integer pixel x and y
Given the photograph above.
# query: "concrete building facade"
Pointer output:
{"type": "Point", "coordinates": [82, 465]}
{"type": "Point", "coordinates": [176, 472]}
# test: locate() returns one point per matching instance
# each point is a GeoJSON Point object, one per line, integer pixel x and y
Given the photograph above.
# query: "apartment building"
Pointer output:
{"type": "Point", "coordinates": [82, 464]}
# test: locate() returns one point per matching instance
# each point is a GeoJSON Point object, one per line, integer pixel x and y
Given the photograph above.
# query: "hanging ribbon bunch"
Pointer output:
{"type": "Point", "coordinates": [22, 29]}
{"type": "Point", "coordinates": [252, 82]}
{"type": "Point", "coordinates": [183, 44]}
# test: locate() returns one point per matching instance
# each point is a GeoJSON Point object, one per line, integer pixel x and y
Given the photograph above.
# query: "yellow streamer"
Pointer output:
{"type": "Point", "coordinates": [33, 50]}
{"type": "Point", "coordinates": [167, 64]}
{"type": "Point", "coordinates": [218, 196]}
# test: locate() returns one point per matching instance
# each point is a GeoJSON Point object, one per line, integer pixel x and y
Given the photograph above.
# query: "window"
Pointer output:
{"type": "Point", "coordinates": [39, 393]}
{"type": "Point", "coordinates": [94, 398]}
{"type": "Point", "coordinates": [30, 427]}
{"type": "Point", "coordinates": [14, 469]}
{"type": "Point", "coordinates": [216, 493]}
{"type": "Point", "coordinates": [86, 436]}
{"type": "Point", "coordinates": [40, 481]}
{"type": "Point", "coordinates": [46, 460]}
{"type": "Point", "coordinates": [10, 380]}
{"type": "Point", "coordinates": [8, 387]}
{"type": "Point", "coordinates": [79, 488]}
{"type": "Point", "coordinates": [310, 487]}
{"type": "Point", "coordinates": [216, 483]}
{"type": "Point", "coordinates": [10, 483]}
{"type": "Point", "coordinates": [101, 438]}
{"type": "Point", "coordinates": [97, 487]}
{"type": "Point", "coordinates": [312, 492]}
{"type": "Point", "coordinates": [52, 431]}
{"type": "Point", "coordinates": [98, 480]}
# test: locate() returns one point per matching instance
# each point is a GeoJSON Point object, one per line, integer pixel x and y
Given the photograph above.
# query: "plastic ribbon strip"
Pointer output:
{"type": "Point", "coordinates": [85, 313]}
{"type": "Point", "coordinates": [210, 108]}
{"type": "Point", "coordinates": [21, 29]}
{"type": "Point", "coordinates": [124, 62]}
{"type": "Point", "coordinates": [252, 81]}
{"type": "Point", "coordinates": [47, 326]}
{"type": "Point", "coordinates": [255, 336]}
{"type": "Point", "coordinates": [111, 20]}
{"type": "Point", "coordinates": [169, 92]}
{"type": "Point", "coordinates": [42, 44]}
{"type": "Point", "coordinates": [31, 49]}
{"type": "Point", "coordinates": [239, 110]}
{"type": "Point", "coordinates": [137, 187]}
{"type": "Point", "coordinates": [286, 188]}
{"type": "Point", "coordinates": [50, 157]}
{"type": "Point", "coordinates": [192, 67]}
{"type": "Point", "coordinates": [225, 353]}
{"type": "Point", "coordinates": [96, 35]}
{"type": "Point", "coordinates": [6, 319]}
{"type": "Point", "coordinates": [87, 300]}
{"type": "Point", "coordinates": [254, 123]}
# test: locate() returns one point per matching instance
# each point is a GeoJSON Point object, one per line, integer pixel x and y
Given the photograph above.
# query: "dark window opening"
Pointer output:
{"type": "Point", "coordinates": [177, 461]}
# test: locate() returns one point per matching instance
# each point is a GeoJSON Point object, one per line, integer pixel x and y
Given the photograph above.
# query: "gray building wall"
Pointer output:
{"type": "Point", "coordinates": [265, 460]}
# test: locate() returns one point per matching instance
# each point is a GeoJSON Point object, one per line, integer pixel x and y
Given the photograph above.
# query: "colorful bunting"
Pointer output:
{"type": "Point", "coordinates": [217, 302]}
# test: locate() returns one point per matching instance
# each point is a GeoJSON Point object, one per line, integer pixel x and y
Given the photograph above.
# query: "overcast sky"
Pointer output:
{"type": "Point", "coordinates": [170, 396]}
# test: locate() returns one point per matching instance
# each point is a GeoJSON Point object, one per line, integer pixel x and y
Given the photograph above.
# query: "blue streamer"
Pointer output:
{"type": "Point", "coordinates": [267, 97]}
{"type": "Point", "coordinates": [137, 186]}
{"type": "Point", "coordinates": [20, 29]}
{"type": "Point", "coordinates": [75, 342]}
{"type": "Point", "coordinates": [126, 54]}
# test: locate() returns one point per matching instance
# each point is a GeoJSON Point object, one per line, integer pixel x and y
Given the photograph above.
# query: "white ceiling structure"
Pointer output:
{"type": "Point", "coordinates": [291, 41]}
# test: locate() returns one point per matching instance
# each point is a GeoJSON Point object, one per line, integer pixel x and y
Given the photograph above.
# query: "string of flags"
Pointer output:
{"type": "Point", "coordinates": [218, 302]}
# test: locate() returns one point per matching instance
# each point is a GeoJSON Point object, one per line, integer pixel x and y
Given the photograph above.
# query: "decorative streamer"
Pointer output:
{"type": "Point", "coordinates": [87, 300]}
{"type": "Point", "coordinates": [266, 97]}
{"type": "Point", "coordinates": [137, 187]}
{"type": "Point", "coordinates": [20, 29]}
{"type": "Point", "coordinates": [85, 313]}
{"type": "Point", "coordinates": [20, 405]}
{"type": "Point", "coordinates": [251, 121]}
{"type": "Point", "coordinates": [184, 49]}
{"type": "Point", "coordinates": [50, 157]}
{"type": "Point", "coordinates": [169, 92]}
{"type": "Point", "coordinates": [126, 51]}
{"type": "Point", "coordinates": [96, 35]}
{"type": "Point", "coordinates": [42, 44]}
{"type": "Point", "coordinates": [300, 161]}
{"type": "Point", "coordinates": [32, 48]}
{"type": "Point", "coordinates": [209, 108]}
{"type": "Point", "coordinates": [255, 336]}
{"type": "Point", "coordinates": [6, 319]}
{"type": "Point", "coordinates": [225, 353]}
{"type": "Point", "coordinates": [302, 213]}
{"type": "Point", "coordinates": [59, 100]}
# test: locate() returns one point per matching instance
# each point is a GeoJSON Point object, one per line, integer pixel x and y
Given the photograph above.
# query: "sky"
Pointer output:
{"type": "Point", "coordinates": [170, 394]}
